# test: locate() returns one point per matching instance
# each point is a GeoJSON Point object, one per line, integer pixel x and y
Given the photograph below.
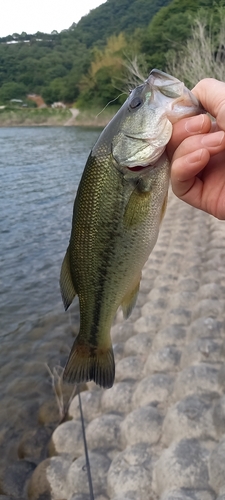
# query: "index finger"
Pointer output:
{"type": "Point", "coordinates": [200, 124]}
{"type": "Point", "coordinates": [211, 94]}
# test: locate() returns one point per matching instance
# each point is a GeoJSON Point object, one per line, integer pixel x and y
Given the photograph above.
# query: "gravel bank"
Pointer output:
{"type": "Point", "coordinates": [159, 433]}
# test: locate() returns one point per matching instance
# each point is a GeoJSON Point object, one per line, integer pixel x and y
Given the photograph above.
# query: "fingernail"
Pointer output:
{"type": "Point", "coordinates": [214, 139]}
{"type": "Point", "coordinates": [195, 124]}
{"type": "Point", "coordinates": [194, 157]}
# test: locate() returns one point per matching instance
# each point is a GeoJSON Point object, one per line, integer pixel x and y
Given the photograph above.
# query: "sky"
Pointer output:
{"type": "Point", "coordinates": [42, 15]}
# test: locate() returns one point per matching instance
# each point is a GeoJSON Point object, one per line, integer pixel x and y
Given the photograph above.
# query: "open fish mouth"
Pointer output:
{"type": "Point", "coordinates": [139, 168]}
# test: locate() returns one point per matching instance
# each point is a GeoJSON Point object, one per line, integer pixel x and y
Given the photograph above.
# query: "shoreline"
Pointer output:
{"type": "Point", "coordinates": [48, 117]}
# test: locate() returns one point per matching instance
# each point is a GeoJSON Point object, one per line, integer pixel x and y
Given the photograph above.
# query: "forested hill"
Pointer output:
{"type": "Point", "coordinates": [86, 62]}
{"type": "Point", "coordinates": [115, 16]}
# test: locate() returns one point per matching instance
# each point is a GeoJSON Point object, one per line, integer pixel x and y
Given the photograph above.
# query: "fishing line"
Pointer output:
{"type": "Point", "coordinates": [110, 102]}
{"type": "Point", "coordinates": [86, 449]}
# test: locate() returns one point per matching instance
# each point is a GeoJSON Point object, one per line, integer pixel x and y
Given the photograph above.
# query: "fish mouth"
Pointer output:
{"type": "Point", "coordinates": [139, 168]}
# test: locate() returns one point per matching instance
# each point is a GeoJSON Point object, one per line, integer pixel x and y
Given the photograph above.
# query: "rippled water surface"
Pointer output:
{"type": "Point", "coordinates": [40, 169]}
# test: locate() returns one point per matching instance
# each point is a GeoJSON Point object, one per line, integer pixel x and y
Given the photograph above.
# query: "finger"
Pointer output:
{"type": "Point", "coordinates": [186, 127]}
{"type": "Point", "coordinates": [211, 94]}
{"type": "Point", "coordinates": [213, 142]}
{"type": "Point", "coordinates": [184, 182]}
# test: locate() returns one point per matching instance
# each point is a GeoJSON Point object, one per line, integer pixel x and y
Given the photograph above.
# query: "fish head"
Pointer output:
{"type": "Point", "coordinates": [138, 134]}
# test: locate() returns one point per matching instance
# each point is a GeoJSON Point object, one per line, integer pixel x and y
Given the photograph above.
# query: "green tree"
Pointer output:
{"type": "Point", "coordinates": [12, 90]}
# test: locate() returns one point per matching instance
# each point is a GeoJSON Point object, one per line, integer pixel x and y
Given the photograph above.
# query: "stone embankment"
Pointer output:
{"type": "Point", "coordinates": [159, 433]}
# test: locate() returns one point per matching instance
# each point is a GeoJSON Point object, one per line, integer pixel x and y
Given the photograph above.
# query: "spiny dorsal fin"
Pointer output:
{"type": "Point", "coordinates": [66, 284]}
{"type": "Point", "coordinates": [129, 300]}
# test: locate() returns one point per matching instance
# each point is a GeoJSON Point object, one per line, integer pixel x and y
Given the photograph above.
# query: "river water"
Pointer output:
{"type": "Point", "coordinates": [40, 168]}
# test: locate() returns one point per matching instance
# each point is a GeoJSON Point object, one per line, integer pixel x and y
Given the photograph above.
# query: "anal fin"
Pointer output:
{"type": "Point", "coordinates": [129, 300]}
{"type": "Point", "coordinates": [66, 284]}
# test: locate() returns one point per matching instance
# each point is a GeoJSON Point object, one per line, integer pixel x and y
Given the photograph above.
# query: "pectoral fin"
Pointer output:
{"type": "Point", "coordinates": [137, 208]}
{"type": "Point", "coordinates": [129, 300]}
{"type": "Point", "coordinates": [164, 207]}
{"type": "Point", "coordinates": [66, 284]}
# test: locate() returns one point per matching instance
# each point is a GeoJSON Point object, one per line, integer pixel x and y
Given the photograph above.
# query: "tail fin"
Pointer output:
{"type": "Point", "coordinates": [87, 362]}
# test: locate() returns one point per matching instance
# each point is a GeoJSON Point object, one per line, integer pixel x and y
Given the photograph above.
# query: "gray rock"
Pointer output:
{"type": "Point", "coordinates": [118, 350]}
{"type": "Point", "coordinates": [143, 425]}
{"type": "Point", "coordinates": [49, 479]}
{"type": "Point", "coordinates": [205, 327]}
{"type": "Point", "coordinates": [80, 497]}
{"type": "Point", "coordinates": [189, 418]}
{"type": "Point", "coordinates": [138, 344]}
{"type": "Point", "coordinates": [104, 432]}
{"type": "Point", "coordinates": [211, 291]}
{"type": "Point", "coordinates": [129, 368]}
{"type": "Point", "coordinates": [208, 307]}
{"type": "Point", "coordinates": [121, 332]}
{"type": "Point", "coordinates": [219, 416]}
{"type": "Point", "coordinates": [196, 379]}
{"type": "Point", "coordinates": [15, 478]}
{"type": "Point", "coordinates": [130, 495]}
{"type": "Point", "coordinates": [171, 335]}
{"type": "Point", "coordinates": [187, 494]}
{"type": "Point", "coordinates": [181, 299]}
{"type": "Point", "coordinates": [158, 294]}
{"type": "Point", "coordinates": [48, 413]}
{"type": "Point", "coordinates": [202, 349]}
{"type": "Point", "coordinates": [131, 471]}
{"type": "Point", "coordinates": [6, 497]}
{"type": "Point", "coordinates": [153, 306]}
{"type": "Point", "coordinates": [118, 398]}
{"type": "Point", "coordinates": [153, 389]}
{"type": "Point", "coordinates": [91, 404]}
{"type": "Point", "coordinates": [56, 475]}
{"type": "Point", "coordinates": [182, 465]}
{"type": "Point", "coordinates": [217, 467]}
{"type": "Point", "coordinates": [188, 284]}
{"type": "Point", "coordinates": [67, 438]}
{"type": "Point", "coordinates": [87, 497]}
{"type": "Point", "coordinates": [166, 359]}
{"type": "Point", "coordinates": [77, 480]}
{"type": "Point", "coordinates": [221, 377]}
{"type": "Point", "coordinates": [147, 324]}
{"type": "Point", "coordinates": [33, 444]}
{"type": "Point", "coordinates": [179, 316]}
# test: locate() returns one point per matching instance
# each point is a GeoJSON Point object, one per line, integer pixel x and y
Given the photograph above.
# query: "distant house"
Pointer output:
{"type": "Point", "coordinates": [58, 105]}
{"type": "Point", "coordinates": [16, 101]}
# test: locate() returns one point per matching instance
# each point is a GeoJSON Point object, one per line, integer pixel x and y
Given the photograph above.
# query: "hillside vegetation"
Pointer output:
{"type": "Point", "coordinates": [87, 63]}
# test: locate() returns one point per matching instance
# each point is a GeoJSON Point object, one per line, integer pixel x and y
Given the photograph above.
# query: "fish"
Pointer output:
{"type": "Point", "coordinates": [118, 209]}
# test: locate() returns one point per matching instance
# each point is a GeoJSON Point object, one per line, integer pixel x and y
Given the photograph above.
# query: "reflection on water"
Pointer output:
{"type": "Point", "coordinates": [40, 170]}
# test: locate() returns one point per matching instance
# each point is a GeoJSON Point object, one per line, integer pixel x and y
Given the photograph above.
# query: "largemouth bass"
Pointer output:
{"type": "Point", "coordinates": [117, 212]}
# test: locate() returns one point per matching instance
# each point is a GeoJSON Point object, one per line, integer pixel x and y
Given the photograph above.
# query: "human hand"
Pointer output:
{"type": "Point", "coordinates": [197, 152]}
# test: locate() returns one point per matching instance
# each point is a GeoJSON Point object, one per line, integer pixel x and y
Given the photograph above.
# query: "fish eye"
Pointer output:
{"type": "Point", "coordinates": [136, 102]}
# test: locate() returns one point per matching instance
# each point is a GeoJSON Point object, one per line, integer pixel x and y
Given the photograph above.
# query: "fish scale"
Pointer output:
{"type": "Point", "coordinates": [116, 219]}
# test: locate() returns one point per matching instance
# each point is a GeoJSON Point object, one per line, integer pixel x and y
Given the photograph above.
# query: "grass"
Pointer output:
{"type": "Point", "coordinates": [96, 117]}
{"type": "Point", "coordinates": [15, 117]}
{"type": "Point", "coordinates": [33, 116]}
